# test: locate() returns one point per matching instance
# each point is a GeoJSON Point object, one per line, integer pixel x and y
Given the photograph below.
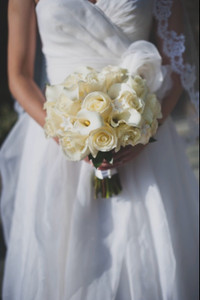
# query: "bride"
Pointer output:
{"type": "Point", "coordinates": [62, 243]}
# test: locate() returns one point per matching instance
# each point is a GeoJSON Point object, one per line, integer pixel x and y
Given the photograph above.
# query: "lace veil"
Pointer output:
{"type": "Point", "coordinates": [173, 28]}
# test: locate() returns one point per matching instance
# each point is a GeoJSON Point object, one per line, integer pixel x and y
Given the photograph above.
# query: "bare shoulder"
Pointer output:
{"type": "Point", "coordinates": [22, 36]}
{"type": "Point", "coordinates": [21, 6]}
{"type": "Point", "coordinates": [20, 12]}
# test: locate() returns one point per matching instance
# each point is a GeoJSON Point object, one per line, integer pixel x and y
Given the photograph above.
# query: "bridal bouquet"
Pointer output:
{"type": "Point", "coordinates": [96, 113]}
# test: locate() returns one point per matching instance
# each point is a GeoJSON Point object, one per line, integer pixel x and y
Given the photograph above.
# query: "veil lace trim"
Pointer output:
{"type": "Point", "coordinates": [174, 47]}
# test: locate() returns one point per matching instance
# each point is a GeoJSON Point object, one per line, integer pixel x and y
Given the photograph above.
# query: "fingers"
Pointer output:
{"type": "Point", "coordinates": [122, 152]}
{"type": "Point", "coordinates": [125, 156]}
{"type": "Point", "coordinates": [120, 158]}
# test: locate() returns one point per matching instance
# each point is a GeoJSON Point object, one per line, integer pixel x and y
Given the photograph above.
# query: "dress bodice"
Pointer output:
{"type": "Point", "coordinates": [77, 32]}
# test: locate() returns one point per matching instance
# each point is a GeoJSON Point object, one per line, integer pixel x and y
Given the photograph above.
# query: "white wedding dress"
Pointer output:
{"type": "Point", "coordinates": [62, 243]}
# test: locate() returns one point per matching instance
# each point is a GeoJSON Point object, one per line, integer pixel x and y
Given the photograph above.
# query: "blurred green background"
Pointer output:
{"type": "Point", "coordinates": [8, 116]}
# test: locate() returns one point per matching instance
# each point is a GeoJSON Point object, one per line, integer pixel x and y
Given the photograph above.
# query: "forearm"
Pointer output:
{"type": "Point", "coordinates": [21, 57]}
{"type": "Point", "coordinates": [29, 96]}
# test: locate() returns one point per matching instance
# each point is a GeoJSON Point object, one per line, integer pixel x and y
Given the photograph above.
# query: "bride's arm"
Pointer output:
{"type": "Point", "coordinates": [21, 56]}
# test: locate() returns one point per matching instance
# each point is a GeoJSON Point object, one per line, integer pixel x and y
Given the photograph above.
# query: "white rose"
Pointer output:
{"type": "Point", "coordinates": [89, 86]}
{"type": "Point", "coordinates": [99, 102]}
{"type": "Point", "coordinates": [112, 74]}
{"type": "Point", "coordinates": [127, 135]}
{"type": "Point", "coordinates": [154, 127]}
{"type": "Point", "coordinates": [145, 134]}
{"type": "Point", "coordinates": [49, 129]}
{"type": "Point", "coordinates": [54, 120]}
{"type": "Point", "coordinates": [80, 74]}
{"type": "Point", "coordinates": [71, 81]}
{"type": "Point", "coordinates": [143, 58]}
{"type": "Point", "coordinates": [54, 92]}
{"type": "Point", "coordinates": [148, 131]}
{"type": "Point", "coordinates": [103, 139]}
{"type": "Point", "coordinates": [87, 121]}
{"type": "Point", "coordinates": [125, 97]}
{"type": "Point", "coordinates": [138, 84]}
{"type": "Point", "coordinates": [67, 106]}
{"type": "Point", "coordinates": [83, 82]}
{"type": "Point", "coordinates": [65, 100]}
{"type": "Point", "coordinates": [147, 115]}
{"type": "Point", "coordinates": [155, 105]}
{"type": "Point", "coordinates": [152, 109]}
{"type": "Point", "coordinates": [75, 146]}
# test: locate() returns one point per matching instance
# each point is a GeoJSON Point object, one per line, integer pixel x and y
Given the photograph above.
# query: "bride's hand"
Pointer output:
{"type": "Point", "coordinates": [120, 158]}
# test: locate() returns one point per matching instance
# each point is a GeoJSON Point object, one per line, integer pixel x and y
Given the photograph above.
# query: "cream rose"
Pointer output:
{"type": "Point", "coordinates": [67, 106]}
{"type": "Point", "coordinates": [146, 134]}
{"type": "Point", "coordinates": [138, 84]}
{"type": "Point", "coordinates": [75, 146]}
{"type": "Point", "coordinates": [53, 122]}
{"type": "Point", "coordinates": [155, 105]}
{"type": "Point", "coordinates": [82, 82]}
{"type": "Point", "coordinates": [148, 115]}
{"type": "Point", "coordinates": [89, 86]}
{"type": "Point", "coordinates": [49, 128]}
{"type": "Point", "coordinates": [127, 135]}
{"type": "Point", "coordinates": [152, 109]}
{"type": "Point", "coordinates": [103, 139]}
{"type": "Point", "coordinates": [111, 75]}
{"type": "Point", "coordinates": [54, 92]}
{"type": "Point", "coordinates": [91, 82]}
{"type": "Point", "coordinates": [99, 102]}
{"type": "Point", "coordinates": [154, 127]}
{"type": "Point", "coordinates": [118, 89]}
{"type": "Point", "coordinates": [124, 97]}
{"type": "Point", "coordinates": [80, 74]}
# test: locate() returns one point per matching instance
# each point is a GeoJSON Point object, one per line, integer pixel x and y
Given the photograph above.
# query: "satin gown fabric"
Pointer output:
{"type": "Point", "coordinates": [62, 243]}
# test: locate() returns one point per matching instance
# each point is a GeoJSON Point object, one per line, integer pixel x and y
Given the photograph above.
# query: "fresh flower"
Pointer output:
{"type": "Point", "coordinates": [127, 135]}
{"type": "Point", "coordinates": [102, 139]}
{"type": "Point", "coordinates": [99, 102]}
{"type": "Point", "coordinates": [87, 121]}
{"type": "Point", "coordinates": [74, 146]}
{"type": "Point", "coordinates": [93, 113]}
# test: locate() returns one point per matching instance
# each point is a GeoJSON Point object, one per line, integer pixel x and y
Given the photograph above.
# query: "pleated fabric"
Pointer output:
{"type": "Point", "coordinates": [62, 243]}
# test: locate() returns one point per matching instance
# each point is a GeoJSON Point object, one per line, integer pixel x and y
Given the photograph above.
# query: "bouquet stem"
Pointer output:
{"type": "Point", "coordinates": [107, 183]}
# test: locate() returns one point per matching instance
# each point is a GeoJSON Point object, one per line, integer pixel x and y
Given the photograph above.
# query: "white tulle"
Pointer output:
{"type": "Point", "coordinates": [62, 243]}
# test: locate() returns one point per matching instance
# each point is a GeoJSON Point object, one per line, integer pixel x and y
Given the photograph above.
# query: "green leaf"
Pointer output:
{"type": "Point", "coordinates": [152, 140]}
{"type": "Point", "coordinates": [108, 156]}
{"type": "Point", "coordinates": [97, 161]}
